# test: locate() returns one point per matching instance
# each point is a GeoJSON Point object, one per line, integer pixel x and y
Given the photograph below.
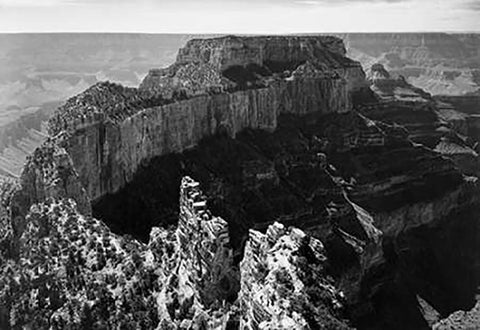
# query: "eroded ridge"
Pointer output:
{"type": "Point", "coordinates": [285, 284]}
{"type": "Point", "coordinates": [204, 243]}
{"type": "Point", "coordinates": [71, 271]}
{"type": "Point", "coordinates": [222, 85]}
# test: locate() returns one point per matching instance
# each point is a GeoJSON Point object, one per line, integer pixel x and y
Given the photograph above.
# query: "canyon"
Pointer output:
{"type": "Point", "coordinates": [256, 183]}
{"type": "Point", "coordinates": [35, 80]}
{"type": "Point", "coordinates": [440, 63]}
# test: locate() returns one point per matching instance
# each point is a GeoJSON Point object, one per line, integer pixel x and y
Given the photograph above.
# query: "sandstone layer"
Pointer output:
{"type": "Point", "coordinates": [439, 125]}
{"type": "Point", "coordinates": [325, 205]}
{"type": "Point", "coordinates": [114, 129]}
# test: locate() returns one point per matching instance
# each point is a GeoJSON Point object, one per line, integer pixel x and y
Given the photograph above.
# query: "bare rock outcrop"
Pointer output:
{"type": "Point", "coordinates": [267, 125]}
{"type": "Point", "coordinates": [71, 271]}
{"type": "Point", "coordinates": [433, 123]}
{"type": "Point", "coordinates": [284, 283]}
{"type": "Point", "coordinates": [200, 281]}
{"type": "Point", "coordinates": [48, 173]}
{"type": "Point", "coordinates": [391, 88]}
{"type": "Point", "coordinates": [243, 59]}
{"type": "Point", "coordinates": [113, 129]}
{"type": "Point", "coordinates": [204, 245]}
{"type": "Point", "coordinates": [460, 320]}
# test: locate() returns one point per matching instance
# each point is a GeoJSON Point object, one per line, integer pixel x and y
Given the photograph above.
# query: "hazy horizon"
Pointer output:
{"type": "Point", "coordinates": [239, 17]}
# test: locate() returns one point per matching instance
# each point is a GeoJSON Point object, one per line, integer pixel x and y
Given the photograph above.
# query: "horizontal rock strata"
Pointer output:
{"type": "Point", "coordinates": [277, 130]}
{"type": "Point", "coordinates": [113, 129]}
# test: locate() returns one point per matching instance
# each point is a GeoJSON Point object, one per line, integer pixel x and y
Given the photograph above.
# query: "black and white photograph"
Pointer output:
{"type": "Point", "coordinates": [239, 164]}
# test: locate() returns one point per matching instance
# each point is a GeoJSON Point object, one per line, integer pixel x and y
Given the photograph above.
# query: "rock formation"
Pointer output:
{"type": "Point", "coordinates": [284, 283]}
{"type": "Point", "coordinates": [71, 271]}
{"type": "Point", "coordinates": [433, 123]}
{"type": "Point", "coordinates": [208, 262]}
{"type": "Point", "coordinates": [325, 203]}
{"type": "Point", "coordinates": [48, 173]}
{"type": "Point", "coordinates": [460, 320]}
{"type": "Point", "coordinates": [113, 129]}
{"type": "Point", "coordinates": [440, 63]}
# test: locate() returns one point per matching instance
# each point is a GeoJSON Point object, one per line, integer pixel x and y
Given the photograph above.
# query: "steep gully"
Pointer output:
{"type": "Point", "coordinates": [263, 152]}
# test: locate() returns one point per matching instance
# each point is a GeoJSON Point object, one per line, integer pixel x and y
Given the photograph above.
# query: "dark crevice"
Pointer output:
{"type": "Point", "coordinates": [422, 261]}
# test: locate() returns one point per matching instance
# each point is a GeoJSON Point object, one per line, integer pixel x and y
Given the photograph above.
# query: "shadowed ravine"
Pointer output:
{"type": "Point", "coordinates": [421, 261]}
{"type": "Point", "coordinates": [256, 183]}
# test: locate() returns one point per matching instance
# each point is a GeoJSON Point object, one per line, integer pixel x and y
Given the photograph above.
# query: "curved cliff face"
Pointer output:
{"type": "Point", "coordinates": [266, 125]}
{"type": "Point", "coordinates": [107, 155]}
{"type": "Point", "coordinates": [114, 129]}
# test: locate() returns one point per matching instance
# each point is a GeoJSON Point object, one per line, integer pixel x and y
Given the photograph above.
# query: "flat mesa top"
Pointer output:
{"type": "Point", "coordinates": [278, 47]}
{"type": "Point", "coordinates": [203, 65]}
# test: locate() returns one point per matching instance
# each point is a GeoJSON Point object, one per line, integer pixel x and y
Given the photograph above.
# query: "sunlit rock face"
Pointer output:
{"type": "Point", "coordinates": [74, 272]}
{"type": "Point", "coordinates": [48, 173]}
{"type": "Point", "coordinates": [460, 320]}
{"type": "Point", "coordinates": [200, 281]}
{"type": "Point", "coordinates": [238, 51]}
{"type": "Point", "coordinates": [114, 129]}
{"type": "Point", "coordinates": [379, 213]}
{"type": "Point", "coordinates": [232, 56]}
{"type": "Point", "coordinates": [284, 283]}
{"type": "Point", "coordinates": [205, 248]}
{"type": "Point", "coordinates": [71, 271]}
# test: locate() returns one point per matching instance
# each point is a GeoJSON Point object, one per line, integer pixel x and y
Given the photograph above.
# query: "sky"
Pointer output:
{"type": "Point", "coordinates": [239, 16]}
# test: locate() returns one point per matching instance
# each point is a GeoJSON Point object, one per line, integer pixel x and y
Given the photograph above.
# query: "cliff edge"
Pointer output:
{"type": "Point", "coordinates": [218, 85]}
{"type": "Point", "coordinates": [321, 207]}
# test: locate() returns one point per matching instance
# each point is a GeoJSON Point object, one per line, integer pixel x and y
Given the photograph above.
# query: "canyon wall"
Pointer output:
{"type": "Point", "coordinates": [440, 63]}
{"type": "Point", "coordinates": [287, 148]}
{"type": "Point", "coordinates": [112, 130]}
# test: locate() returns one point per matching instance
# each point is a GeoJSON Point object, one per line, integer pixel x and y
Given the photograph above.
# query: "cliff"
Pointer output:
{"type": "Point", "coordinates": [284, 282]}
{"type": "Point", "coordinates": [324, 205]}
{"type": "Point", "coordinates": [85, 276]}
{"type": "Point", "coordinates": [412, 218]}
{"type": "Point", "coordinates": [48, 173]}
{"type": "Point", "coordinates": [314, 173]}
{"type": "Point", "coordinates": [439, 125]}
{"type": "Point", "coordinates": [113, 129]}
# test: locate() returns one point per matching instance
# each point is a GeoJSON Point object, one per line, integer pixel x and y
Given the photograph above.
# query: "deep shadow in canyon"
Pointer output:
{"type": "Point", "coordinates": [260, 177]}
{"type": "Point", "coordinates": [437, 263]}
